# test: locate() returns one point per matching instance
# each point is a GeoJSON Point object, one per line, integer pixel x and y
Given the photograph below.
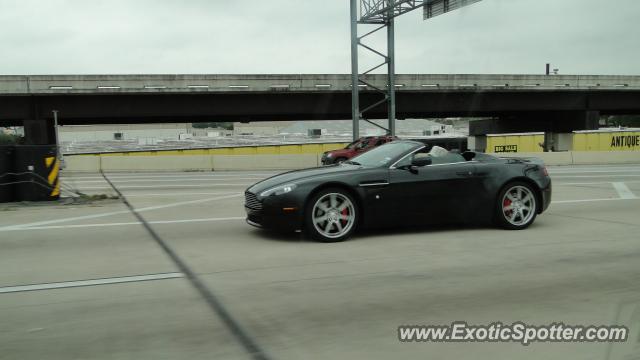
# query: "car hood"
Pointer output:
{"type": "Point", "coordinates": [338, 152]}
{"type": "Point", "coordinates": [300, 175]}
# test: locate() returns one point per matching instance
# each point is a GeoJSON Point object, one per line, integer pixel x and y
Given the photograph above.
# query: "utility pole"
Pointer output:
{"type": "Point", "coordinates": [391, 69]}
{"type": "Point", "coordinates": [355, 98]}
{"type": "Point", "coordinates": [58, 151]}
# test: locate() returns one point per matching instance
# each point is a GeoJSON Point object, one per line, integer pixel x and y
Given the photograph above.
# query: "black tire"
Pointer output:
{"type": "Point", "coordinates": [340, 160]}
{"type": "Point", "coordinates": [313, 211]}
{"type": "Point", "coordinates": [526, 211]}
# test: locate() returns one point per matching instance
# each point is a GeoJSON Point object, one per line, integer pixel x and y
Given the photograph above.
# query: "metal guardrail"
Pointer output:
{"type": "Point", "coordinates": [289, 149]}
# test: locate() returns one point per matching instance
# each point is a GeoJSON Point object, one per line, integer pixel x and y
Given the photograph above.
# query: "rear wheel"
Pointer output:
{"type": "Point", "coordinates": [517, 207]}
{"type": "Point", "coordinates": [331, 216]}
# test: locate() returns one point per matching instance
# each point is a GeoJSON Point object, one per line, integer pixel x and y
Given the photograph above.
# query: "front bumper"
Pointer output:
{"type": "Point", "coordinates": [277, 212]}
{"type": "Point", "coordinates": [546, 197]}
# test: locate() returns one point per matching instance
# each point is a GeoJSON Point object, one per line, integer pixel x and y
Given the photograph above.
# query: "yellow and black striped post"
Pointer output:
{"type": "Point", "coordinates": [53, 169]}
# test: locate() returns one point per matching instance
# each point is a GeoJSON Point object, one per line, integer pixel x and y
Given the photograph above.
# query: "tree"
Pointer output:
{"type": "Point", "coordinates": [204, 125]}
{"type": "Point", "coordinates": [624, 120]}
{"type": "Point", "coordinates": [9, 139]}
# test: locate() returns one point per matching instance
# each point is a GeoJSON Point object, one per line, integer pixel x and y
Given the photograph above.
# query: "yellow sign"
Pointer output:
{"type": "Point", "coordinates": [606, 141]}
{"type": "Point", "coordinates": [625, 141]}
{"type": "Point", "coordinates": [511, 143]}
{"type": "Point", "coordinates": [506, 148]}
{"type": "Point", "coordinates": [53, 165]}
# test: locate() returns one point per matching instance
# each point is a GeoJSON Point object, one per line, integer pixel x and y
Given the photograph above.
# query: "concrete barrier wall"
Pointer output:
{"type": "Point", "coordinates": [82, 163]}
{"type": "Point", "coordinates": [582, 157]}
{"type": "Point", "coordinates": [93, 163]}
{"type": "Point", "coordinates": [549, 158]}
{"type": "Point", "coordinates": [264, 162]}
{"type": "Point", "coordinates": [178, 163]}
{"type": "Point", "coordinates": [606, 157]}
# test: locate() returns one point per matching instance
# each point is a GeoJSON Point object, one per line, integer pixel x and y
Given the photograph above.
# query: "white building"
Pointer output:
{"type": "Point", "coordinates": [131, 132]}
{"type": "Point", "coordinates": [261, 128]}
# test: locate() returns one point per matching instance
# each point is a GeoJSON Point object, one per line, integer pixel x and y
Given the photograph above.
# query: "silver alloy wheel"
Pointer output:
{"type": "Point", "coordinates": [519, 205]}
{"type": "Point", "coordinates": [333, 215]}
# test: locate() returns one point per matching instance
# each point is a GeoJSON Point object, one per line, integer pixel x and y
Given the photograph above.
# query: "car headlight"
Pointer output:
{"type": "Point", "coordinates": [329, 155]}
{"type": "Point", "coordinates": [279, 190]}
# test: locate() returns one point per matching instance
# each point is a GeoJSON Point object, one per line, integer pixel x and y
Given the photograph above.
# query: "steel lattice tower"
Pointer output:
{"type": "Point", "coordinates": [382, 14]}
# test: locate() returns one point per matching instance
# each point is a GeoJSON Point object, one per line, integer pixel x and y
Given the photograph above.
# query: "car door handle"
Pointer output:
{"type": "Point", "coordinates": [465, 173]}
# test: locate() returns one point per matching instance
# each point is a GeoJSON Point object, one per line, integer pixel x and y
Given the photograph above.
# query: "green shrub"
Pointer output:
{"type": "Point", "coordinates": [624, 120]}
{"type": "Point", "coordinates": [7, 139]}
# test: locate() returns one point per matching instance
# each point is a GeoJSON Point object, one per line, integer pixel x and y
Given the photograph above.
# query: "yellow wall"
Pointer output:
{"type": "Point", "coordinates": [582, 141]}
{"type": "Point", "coordinates": [607, 141]}
{"type": "Point", "coordinates": [243, 150]}
{"type": "Point", "coordinates": [515, 143]}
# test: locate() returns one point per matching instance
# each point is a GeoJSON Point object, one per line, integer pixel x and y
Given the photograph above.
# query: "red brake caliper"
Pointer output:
{"type": "Point", "coordinates": [345, 212]}
{"type": "Point", "coordinates": [506, 203]}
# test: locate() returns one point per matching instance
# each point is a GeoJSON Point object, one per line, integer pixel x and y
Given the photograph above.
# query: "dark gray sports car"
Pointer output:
{"type": "Point", "coordinates": [401, 183]}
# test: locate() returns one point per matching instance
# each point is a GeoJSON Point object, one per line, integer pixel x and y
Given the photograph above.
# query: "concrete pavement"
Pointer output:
{"type": "Point", "coordinates": [579, 264]}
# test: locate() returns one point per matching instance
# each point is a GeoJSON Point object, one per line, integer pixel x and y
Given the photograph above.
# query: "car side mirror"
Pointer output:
{"type": "Point", "coordinates": [420, 162]}
{"type": "Point", "coordinates": [416, 164]}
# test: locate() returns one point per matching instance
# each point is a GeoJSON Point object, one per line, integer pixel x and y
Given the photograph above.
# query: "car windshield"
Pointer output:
{"type": "Point", "coordinates": [383, 155]}
{"type": "Point", "coordinates": [353, 144]}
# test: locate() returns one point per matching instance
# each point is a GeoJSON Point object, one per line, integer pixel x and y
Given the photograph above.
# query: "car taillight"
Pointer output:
{"type": "Point", "coordinates": [544, 171]}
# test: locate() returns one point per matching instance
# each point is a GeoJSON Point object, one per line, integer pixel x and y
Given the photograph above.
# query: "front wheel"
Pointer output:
{"type": "Point", "coordinates": [331, 215]}
{"type": "Point", "coordinates": [516, 208]}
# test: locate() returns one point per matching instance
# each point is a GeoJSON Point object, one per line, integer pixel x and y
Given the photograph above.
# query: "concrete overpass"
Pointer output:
{"type": "Point", "coordinates": [557, 103]}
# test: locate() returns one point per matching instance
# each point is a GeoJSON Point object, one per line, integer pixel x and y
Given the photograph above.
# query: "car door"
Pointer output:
{"type": "Point", "coordinates": [431, 194]}
{"type": "Point", "coordinates": [372, 184]}
{"type": "Point", "coordinates": [478, 196]}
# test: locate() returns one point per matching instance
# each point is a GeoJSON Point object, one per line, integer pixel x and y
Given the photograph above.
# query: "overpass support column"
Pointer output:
{"type": "Point", "coordinates": [39, 132]}
{"type": "Point", "coordinates": [592, 119]}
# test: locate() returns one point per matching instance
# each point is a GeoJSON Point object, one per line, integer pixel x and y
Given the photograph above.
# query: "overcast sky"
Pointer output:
{"type": "Point", "coordinates": [311, 36]}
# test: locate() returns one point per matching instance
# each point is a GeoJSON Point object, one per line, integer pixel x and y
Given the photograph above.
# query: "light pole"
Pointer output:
{"type": "Point", "coordinates": [58, 151]}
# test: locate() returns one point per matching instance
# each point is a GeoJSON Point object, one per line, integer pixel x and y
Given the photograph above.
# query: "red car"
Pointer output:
{"type": "Point", "coordinates": [357, 147]}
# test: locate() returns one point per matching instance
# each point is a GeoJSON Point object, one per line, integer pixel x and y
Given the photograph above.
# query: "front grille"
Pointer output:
{"type": "Point", "coordinates": [251, 201]}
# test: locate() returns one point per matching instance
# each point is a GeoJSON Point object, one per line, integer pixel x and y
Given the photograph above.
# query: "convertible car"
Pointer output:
{"type": "Point", "coordinates": [401, 183]}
